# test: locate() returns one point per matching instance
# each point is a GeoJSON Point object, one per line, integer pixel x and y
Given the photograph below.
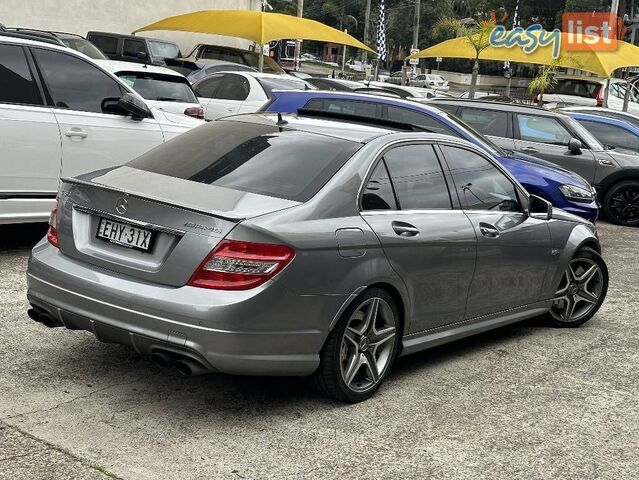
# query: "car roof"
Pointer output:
{"type": "Point", "coordinates": [337, 128]}
{"type": "Point", "coordinates": [601, 119]}
{"type": "Point", "coordinates": [15, 38]}
{"type": "Point", "coordinates": [510, 107]}
{"type": "Point", "coordinates": [116, 66]}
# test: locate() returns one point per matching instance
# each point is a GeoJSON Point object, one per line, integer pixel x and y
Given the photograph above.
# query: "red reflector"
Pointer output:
{"type": "Point", "coordinates": [600, 96]}
{"type": "Point", "coordinates": [195, 112]}
{"type": "Point", "coordinates": [236, 265]}
{"type": "Point", "coordinates": [52, 233]}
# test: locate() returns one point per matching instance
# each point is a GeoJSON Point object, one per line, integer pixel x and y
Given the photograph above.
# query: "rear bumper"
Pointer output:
{"type": "Point", "coordinates": [265, 331]}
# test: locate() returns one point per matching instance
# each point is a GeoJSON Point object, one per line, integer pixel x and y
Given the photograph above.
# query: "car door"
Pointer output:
{"type": "Point", "coordinates": [546, 137]}
{"type": "Point", "coordinates": [495, 124]}
{"type": "Point", "coordinates": [91, 139]}
{"type": "Point", "coordinates": [513, 249]}
{"type": "Point", "coordinates": [222, 94]}
{"type": "Point", "coordinates": [30, 151]}
{"type": "Point", "coordinates": [429, 244]}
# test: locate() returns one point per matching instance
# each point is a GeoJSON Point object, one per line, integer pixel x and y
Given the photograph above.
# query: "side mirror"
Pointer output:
{"type": "Point", "coordinates": [141, 55]}
{"type": "Point", "coordinates": [539, 208]}
{"type": "Point", "coordinates": [134, 107]}
{"type": "Point", "coordinates": [574, 145]}
{"type": "Point", "coordinates": [112, 105]}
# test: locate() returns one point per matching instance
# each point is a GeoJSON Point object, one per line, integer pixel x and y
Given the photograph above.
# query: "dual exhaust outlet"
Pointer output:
{"type": "Point", "coordinates": [184, 365]}
{"type": "Point", "coordinates": [42, 316]}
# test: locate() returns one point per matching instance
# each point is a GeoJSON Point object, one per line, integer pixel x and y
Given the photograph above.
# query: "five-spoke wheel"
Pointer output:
{"type": "Point", "coordinates": [581, 290]}
{"type": "Point", "coordinates": [361, 348]}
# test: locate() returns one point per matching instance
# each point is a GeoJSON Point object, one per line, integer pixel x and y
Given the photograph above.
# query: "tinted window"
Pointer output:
{"type": "Point", "coordinates": [378, 193]}
{"type": "Point", "coordinates": [108, 45]}
{"type": "Point", "coordinates": [208, 87]}
{"type": "Point", "coordinates": [448, 108]}
{"type": "Point", "coordinates": [164, 49]}
{"type": "Point", "coordinates": [412, 117]}
{"type": "Point", "coordinates": [16, 81]}
{"type": "Point", "coordinates": [131, 48]}
{"type": "Point", "coordinates": [233, 87]}
{"type": "Point", "coordinates": [74, 83]}
{"type": "Point", "coordinates": [83, 46]}
{"type": "Point", "coordinates": [580, 88]}
{"type": "Point", "coordinates": [612, 135]}
{"type": "Point", "coordinates": [486, 121]}
{"type": "Point", "coordinates": [251, 157]}
{"type": "Point", "coordinates": [417, 177]}
{"type": "Point", "coordinates": [168, 88]}
{"type": "Point", "coordinates": [350, 107]}
{"type": "Point", "coordinates": [480, 185]}
{"type": "Point", "coordinates": [533, 128]}
{"type": "Point", "coordinates": [269, 84]}
{"type": "Point", "coordinates": [220, 54]}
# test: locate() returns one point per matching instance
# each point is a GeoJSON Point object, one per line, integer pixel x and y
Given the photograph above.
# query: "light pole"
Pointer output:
{"type": "Point", "coordinates": [298, 44]}
{"type": "Point", "coordinates": [367, 19]}
{"type": "Point", "coordinates": [416, 27]}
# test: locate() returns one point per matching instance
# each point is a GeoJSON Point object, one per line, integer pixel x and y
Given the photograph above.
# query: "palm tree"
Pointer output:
{"type": "Point", "coordinates": [544, 81]}
{"type": "Point", "coordinates": [477, 35]}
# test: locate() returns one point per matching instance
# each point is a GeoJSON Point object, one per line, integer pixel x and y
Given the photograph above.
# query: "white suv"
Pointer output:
{"type": "Point", "coordinates": [63, 115]}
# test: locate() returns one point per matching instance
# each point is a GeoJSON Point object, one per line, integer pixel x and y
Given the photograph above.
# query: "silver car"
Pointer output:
{"type": "Point", "coordinates": [298, 245]}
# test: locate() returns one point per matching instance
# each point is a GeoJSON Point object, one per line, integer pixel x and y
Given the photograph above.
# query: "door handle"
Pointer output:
{"type": "Point", "coordinates": [488, 230]}
{"type": "Point", "coordinates": [405, 229]}
{"type": "Point", "coordinates": [529, 150]}
{"type": "Point", "coordinates": [76, 132]}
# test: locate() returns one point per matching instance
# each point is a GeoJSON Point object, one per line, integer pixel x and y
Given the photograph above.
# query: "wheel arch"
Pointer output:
{"type": "Point", "coordinates": [615, 178]}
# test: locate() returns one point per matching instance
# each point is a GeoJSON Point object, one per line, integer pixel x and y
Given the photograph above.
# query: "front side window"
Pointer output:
{"type": "Point", "coordinates": [233, 87]}
{"type": "Point", "coordinates": [108, 45]}
{"type": "Point", "coordinates": [378, 193]}
{"type": "Point", "coordinates": [488, 122]}
{"type": "Point", "coordinates": [418, 178]}
{"type": "Point", "coordinates": [153, 86]}
{"type": "Point", "coordinates": [535, 128]}
{"type": "Point", "coordinates": [16, 82]}
{"type": "Point", "coordinates": [612, 135]}
{"type": "Point", "coordinates": [479, 184]}
{"type": "Point", "coordinates": [74, 83]}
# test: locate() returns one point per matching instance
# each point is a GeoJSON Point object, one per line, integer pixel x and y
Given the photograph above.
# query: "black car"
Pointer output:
{"type": "Point", "coordinates": [130, 48]}
{"type": "Point", "coordinates": [561, 140]}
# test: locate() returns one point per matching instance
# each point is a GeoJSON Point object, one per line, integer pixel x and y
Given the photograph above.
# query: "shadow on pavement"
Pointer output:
{"type": "Point", "coordinates": [21, 236]}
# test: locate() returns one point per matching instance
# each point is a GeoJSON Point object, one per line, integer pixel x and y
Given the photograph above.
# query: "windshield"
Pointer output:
{"type": "Point", "coordinates": [486, 142]}
{"type": "Point", "coordinates": [153, 86]}
{"type": "Point", "coordinates": [251, 157]}
{"type": "Point", "coordinates": [164, 49]}
{"type": "Point", "coordinates": [591, 142]}
{"type": "Point", "coordinates": [82, 45]}
{"type": "Point", "coordinates": [269, 84]}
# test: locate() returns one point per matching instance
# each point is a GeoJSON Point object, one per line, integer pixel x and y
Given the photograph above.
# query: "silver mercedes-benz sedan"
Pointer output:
{"type": "Point", "coordinates": [298, 245]}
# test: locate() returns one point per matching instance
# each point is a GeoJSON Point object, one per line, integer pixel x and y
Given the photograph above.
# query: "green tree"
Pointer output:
{"type": "Point", "coordinates": [544, 81]}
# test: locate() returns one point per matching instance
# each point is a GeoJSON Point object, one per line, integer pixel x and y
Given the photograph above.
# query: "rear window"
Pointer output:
{"type": "Point", "coordinates": [579, 88]}
{"type": "Point", "coordinates": [167, 88]}
{"type": "Point", "coordinates": [269, 84]}
{"type": "Point", "coordinates": [251, 157]}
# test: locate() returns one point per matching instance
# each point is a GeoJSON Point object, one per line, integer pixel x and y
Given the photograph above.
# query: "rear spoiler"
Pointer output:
{"type": "Point", "coordinates": [183, 63]}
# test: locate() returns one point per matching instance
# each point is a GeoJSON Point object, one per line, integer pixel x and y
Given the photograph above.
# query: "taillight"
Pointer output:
{"type": "Point", "coordinates": [600, 96]}
{"type": "Point", "coordinates": [195, 112]}
{"type": "Point", "coordinates": [236, 265]}
{"type": "Point", "coordinates": [52, 233]}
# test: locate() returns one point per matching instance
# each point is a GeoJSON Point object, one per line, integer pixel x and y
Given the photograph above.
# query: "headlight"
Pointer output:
{"type": "Point", "coordinates": [577, 194]}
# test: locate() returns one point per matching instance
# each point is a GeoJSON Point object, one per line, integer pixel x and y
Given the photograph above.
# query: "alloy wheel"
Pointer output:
{"type": "Point", "coordinates": [579, 291]}
{"type": "Point", "coordinates": [624, 204]}
{"type": "Point", "coordinates": [367, 344]}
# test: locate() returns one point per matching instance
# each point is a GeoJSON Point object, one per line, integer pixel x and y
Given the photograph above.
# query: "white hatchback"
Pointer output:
{"type": "Point", "coordinates": [161, 87]}
{"type": "Point", "coordinates": [63, 115]}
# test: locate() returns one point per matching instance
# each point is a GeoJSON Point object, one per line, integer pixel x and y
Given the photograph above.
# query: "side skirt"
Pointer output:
{"type": "Point", "coordinates": [432, 338]}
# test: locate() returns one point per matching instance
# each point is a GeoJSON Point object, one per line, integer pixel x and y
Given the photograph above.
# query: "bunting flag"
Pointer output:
{"type": "Point", "coordinates": [381, 32]}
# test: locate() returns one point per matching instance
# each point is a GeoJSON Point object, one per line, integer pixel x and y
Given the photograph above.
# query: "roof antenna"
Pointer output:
{"type": "Point", "coordinates": [280, 121]}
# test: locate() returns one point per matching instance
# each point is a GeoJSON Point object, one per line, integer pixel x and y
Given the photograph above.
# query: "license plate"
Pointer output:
{"type": "Point", "coordinates": [125, 235]}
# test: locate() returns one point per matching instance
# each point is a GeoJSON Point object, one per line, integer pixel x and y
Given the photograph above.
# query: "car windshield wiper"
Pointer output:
{"type": "Point", "coordinates": [169, 99]}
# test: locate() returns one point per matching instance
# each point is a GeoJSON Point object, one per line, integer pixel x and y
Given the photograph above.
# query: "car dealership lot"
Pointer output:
{"type": "Point", "coordinates": [521, 402]}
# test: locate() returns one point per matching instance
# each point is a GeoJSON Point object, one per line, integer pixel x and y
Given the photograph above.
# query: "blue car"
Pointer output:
{"type": "Point", "coordinates": [611, 132]}
{"type": "Point", "coordinates": [562, 188]}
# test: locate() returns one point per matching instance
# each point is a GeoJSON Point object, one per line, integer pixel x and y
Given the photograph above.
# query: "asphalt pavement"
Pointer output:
{"type": "Point", "coordinates": [521, 402]}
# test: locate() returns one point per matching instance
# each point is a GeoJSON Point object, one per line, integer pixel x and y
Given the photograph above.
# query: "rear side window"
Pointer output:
{"type": "Point", "coordinates": [233, 87]}
{"type": "Point", "coordinates": [108, 45]}
{"type": "Point", "coordinates": [350, 107]}
{"type": "Point", "coordinates": [488, 122]}
{"type": "Point", "coordinates": [131, 48]}
{"type": "Point", "coordinates": [418, 178]}
{"type": "Point", "coordinates": [74, 83]}
{"type": "Point", "coordinates": [251, 157]}
{"type": "Point", "coordinates": [480, 185]}
{"type": "Point", "coordinates": [378, 193]}
{"type": "Point", "coordinates": [208, 87]}
{"type": "Point", "coordinates": [16, 82]}
{"type": "Point", "coordinates": [412, 117]}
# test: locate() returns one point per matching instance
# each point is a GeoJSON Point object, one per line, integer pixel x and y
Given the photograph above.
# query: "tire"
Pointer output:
{"type": "Point", "coordinates": [585, 281]}
{"type": "Point", "coordinates": [353, 341]}
{"type": "Point", "coordinates": [621, 203]}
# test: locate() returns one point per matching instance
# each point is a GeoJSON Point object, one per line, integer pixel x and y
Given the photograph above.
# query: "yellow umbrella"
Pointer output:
{"type": "Point", "coordinates": [600, 62]}
{"type": "Point", "coordinates": [260, 27]}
